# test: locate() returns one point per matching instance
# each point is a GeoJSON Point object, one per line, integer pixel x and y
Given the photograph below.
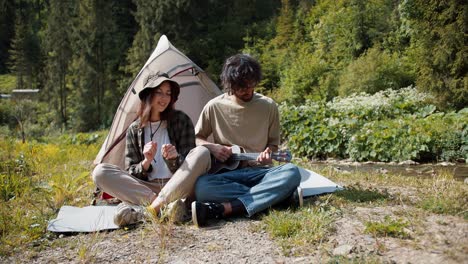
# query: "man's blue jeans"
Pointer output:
{"type": "Point", "coordinates": [257, 188]}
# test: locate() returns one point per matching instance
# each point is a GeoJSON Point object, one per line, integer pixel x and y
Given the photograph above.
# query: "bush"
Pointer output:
{"type": "Point", "coordinates": [373, 72]}
{"type": "Point", "coordinates": [387, 126]}
{"type": "Point", "coordinates": [7, 83]}
{"type": "Point", "coordinates": [304, 77]}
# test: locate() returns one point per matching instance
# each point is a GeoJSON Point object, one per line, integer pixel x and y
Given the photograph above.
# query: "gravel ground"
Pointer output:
{"type": "Point", "coordinates": [433, 239]}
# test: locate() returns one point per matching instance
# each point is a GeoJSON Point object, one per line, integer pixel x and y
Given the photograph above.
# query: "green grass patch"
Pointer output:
{"type": "Point", "coordinates": [297, 231]}
{"type": "Point", "coordinates": [7, 83]}
{"type": "Point", "coordinates": [445, 196]}
{"type": "Point", "coordinates": [36, 179]}
{"type": "Point", "coordinates": [440, 194]}
{"type": "Point", "coordinates": [359, 194]}
{"type": "Point", "coordinates": [388, 227]}
{"type": "Point", "coordinates": [355, 260]}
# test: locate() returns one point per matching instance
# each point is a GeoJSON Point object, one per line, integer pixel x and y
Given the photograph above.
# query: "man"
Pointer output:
{"type": "Point", "coordinates": [250, 120]}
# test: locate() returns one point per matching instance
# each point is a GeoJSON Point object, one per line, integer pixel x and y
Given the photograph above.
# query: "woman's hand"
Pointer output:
{"type": "Point", "coordinates": [169, 151]}
{"type": "Point", "coordinates": [265, 157]}
{"type": "Point", "coordinates": [149, 151]}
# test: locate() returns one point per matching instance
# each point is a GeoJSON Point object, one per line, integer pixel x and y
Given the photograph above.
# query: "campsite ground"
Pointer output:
{"type": "Point", "coordinates": [379, 218]}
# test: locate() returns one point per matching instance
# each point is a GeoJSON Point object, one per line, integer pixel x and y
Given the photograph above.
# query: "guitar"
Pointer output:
{"type": "Point", "coordinates": [237, 155]}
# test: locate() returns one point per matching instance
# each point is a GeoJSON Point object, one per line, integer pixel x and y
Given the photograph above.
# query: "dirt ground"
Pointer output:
{"type": "Point", "coordinates": [432, 238]}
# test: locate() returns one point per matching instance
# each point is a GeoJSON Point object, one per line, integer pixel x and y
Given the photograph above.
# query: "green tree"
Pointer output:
{"type": "Point", "coordinates": [439, 48]}
{"type": "Point", "coordinates": [7, 31]}
{"type": "Point", "coordinates": [94, 61]}
{"type": "Point", "coordinates": [25, 53]}
{"type": "Point", "coordinates": [58, 51]}
{"type": "Point", "coordinates": [375, 71]}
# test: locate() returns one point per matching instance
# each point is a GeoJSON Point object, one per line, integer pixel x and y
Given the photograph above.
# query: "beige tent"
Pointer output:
{"type": "Point", "coordinates": [196, 90]}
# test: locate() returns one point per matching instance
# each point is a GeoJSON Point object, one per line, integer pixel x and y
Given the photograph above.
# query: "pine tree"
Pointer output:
{"type": "Point", "coordinates": [95, 60]}
{"type": "Point", "coordinates": [25, 53]}
{"type": "Point", "coordinates": [58, 56]}
{"type": "Point", "coordinates": [439, 48]}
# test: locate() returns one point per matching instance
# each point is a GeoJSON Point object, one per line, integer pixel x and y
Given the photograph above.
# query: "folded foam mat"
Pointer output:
{"type": "Point", "coordinates": [313, 183]}
{"type": "Point", "coordinates": [83, 219]}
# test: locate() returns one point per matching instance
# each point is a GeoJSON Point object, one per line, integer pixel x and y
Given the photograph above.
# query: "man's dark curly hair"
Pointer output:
{"type": "Point", "coordinates": [239, 72]}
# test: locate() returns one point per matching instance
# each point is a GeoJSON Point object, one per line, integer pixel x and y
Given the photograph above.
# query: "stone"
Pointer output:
{"type": "Point", "coordinates": [343, 250]}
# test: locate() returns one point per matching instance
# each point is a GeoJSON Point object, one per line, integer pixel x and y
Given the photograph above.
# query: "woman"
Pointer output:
{"type": "Point", "coordinates": [161, 162]}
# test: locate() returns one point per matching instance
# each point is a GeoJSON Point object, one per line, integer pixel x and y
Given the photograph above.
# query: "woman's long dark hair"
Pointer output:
{"type": "Point", "coordinates": [144, 111]}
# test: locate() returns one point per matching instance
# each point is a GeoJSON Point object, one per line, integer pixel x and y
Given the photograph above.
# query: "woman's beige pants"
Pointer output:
{"type": "Point", "coordinates": [120, 184]}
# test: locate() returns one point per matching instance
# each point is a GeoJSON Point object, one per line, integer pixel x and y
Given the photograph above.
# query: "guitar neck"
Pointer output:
{"type": "Point", "coordinates": [253, 156]}
{"type": "Point", "coordinates": [244, 156]}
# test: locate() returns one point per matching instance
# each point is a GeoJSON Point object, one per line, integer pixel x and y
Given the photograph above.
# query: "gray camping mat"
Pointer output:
{"type": "Point", "coordinates": [314, 184]}
{"type": "Point", "coordinates": [86, 219]}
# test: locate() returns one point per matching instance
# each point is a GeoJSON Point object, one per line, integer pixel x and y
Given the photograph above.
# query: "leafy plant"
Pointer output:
{"type": "Point", "coordinates": [387, 126]}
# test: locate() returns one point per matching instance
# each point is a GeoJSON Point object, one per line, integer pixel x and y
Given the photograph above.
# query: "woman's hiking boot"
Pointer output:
{"type": "Point", "coordinates": [128, 214]}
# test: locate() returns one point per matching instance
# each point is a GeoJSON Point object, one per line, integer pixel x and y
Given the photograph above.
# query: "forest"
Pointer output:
{"type": "Point", "coordinates": [82, 55]}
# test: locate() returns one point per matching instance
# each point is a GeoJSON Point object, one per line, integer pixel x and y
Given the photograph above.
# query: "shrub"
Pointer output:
{"type": "Point", "coordinates": [373, 72]}
{"type": "Point", "coordinates": [435, 138]}
{"type": "Point", "coordinates": [387, 126]}
{"type": "Point", "coordinates": [303, 77]}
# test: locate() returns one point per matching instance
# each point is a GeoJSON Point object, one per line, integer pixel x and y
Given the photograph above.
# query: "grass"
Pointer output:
{"type": "Point", "coordinates": [388, 227]}
{"type": "Point", "coordinates": [441, 194]}
{"type": "Point", "coordinates": [88, 249]}
{"type": "Point", "coordinates": [297, 231]}
{"type": "Point", "coordinates": [445, 195]}
{"type": "Point", "coordinates": [356, 260]}
{"type": "Point", "coordinates": [358, 194]}
{"type": "Point", "coordinates": [307, 229]}
{"type": "Point", "coordinates": [36, 180]}
{"type": "Point", "coordinates": [7, 83]}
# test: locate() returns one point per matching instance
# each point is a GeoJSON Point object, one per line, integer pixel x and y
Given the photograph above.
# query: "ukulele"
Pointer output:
{"type": "Point", "coordinates": [237, 155]}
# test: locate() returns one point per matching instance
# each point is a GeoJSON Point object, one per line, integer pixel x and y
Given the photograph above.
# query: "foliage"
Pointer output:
{"type": "Point", "coordinates": [96, 55]}
{"type": "Point", "coordinates": [25, 51]}
{"type": "Point", "coordinates": [387, 126]}
{"type": "Point", "coordinates": [58, 51]}
{"type": "Point", "coordinates": [84, 54]}
{"type": "Point", "coordinates": [436, 137]}
{"type": "Point", "coordinates": [27, 119]}
{"type": "Point", "coordinates": [304, 77]}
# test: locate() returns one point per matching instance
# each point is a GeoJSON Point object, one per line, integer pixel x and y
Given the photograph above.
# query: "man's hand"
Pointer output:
{"type": "Point", "coordinates": [169, 151]}
{"type": "Point", "coordinates": [221, 153]}
{"type": "Point", "coordinates": [265, 157]}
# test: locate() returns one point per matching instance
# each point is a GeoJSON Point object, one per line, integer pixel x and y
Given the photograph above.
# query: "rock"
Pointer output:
{"type": "Point", "coordinates": [408, 162]}
{"type": "Point", "coordinates": [343, 250]}
{"type": "Point", "coordinates": [445, 164]}
{"type": "Point", "coordinates": [382, 170]}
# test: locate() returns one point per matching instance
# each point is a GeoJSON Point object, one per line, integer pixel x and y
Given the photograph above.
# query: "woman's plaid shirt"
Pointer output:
{"type": "Point", "coordinates": [181, 135]}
